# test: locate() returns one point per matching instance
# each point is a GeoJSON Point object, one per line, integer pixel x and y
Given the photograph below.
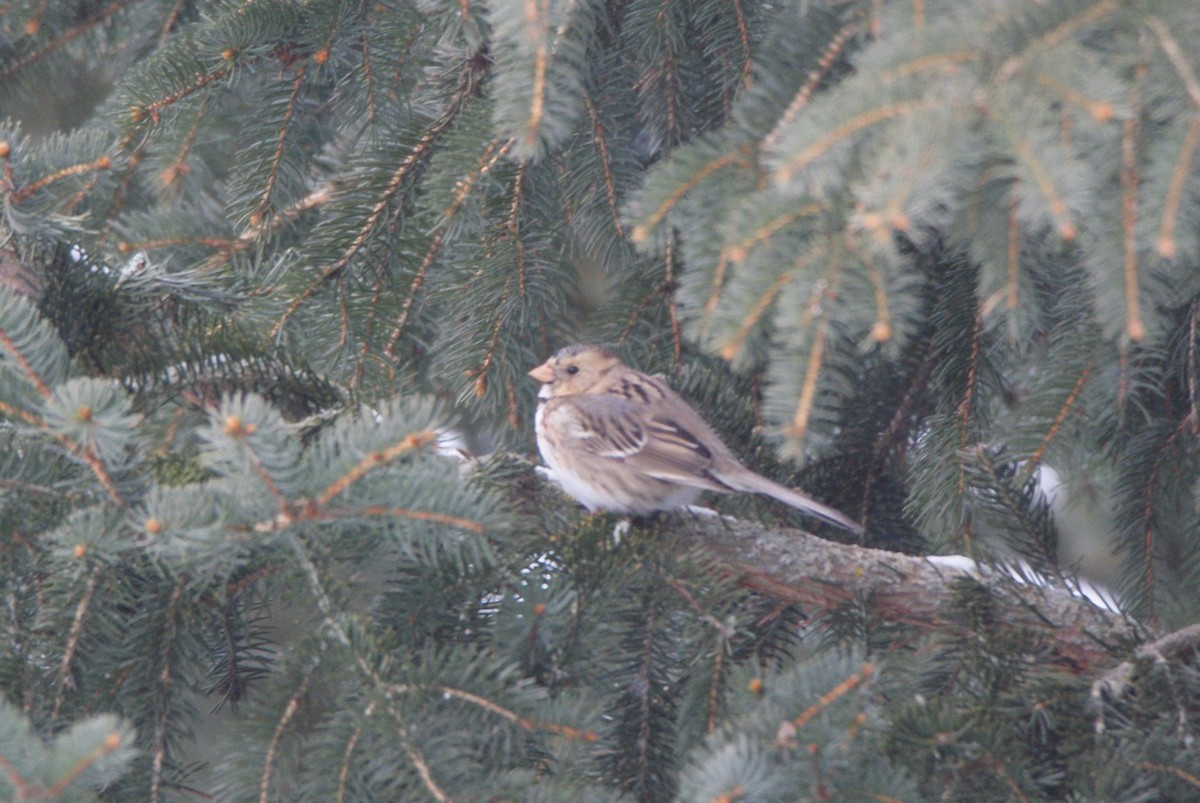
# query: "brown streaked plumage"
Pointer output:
{"type": "Point", "coordinates": [619, 440]}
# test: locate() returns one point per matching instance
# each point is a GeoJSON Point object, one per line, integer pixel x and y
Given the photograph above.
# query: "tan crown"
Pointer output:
{"type": "Point", "coordinates": [575, 369]}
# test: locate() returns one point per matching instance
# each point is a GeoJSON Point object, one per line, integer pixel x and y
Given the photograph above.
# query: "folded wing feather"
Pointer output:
{"type": "Point", "coordinates": [659, 447]}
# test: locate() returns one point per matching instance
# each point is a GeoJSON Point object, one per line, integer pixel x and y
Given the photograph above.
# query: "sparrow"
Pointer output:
{"type": "Point", "coordinates": [619, 440]}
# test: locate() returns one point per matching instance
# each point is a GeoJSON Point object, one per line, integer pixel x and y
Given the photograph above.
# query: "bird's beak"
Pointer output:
{"type": "Point", "coordinates": [543, 373]}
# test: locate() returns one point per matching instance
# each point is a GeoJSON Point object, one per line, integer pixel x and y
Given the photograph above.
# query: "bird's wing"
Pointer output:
{"type": "Point", "coordinates": [644, 437]}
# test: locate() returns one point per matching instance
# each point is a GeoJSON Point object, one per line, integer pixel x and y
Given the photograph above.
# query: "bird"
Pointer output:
{"type": "Point", "coordinates": [621, 441]}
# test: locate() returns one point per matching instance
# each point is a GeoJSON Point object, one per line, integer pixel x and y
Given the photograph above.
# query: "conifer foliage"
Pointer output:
{"type": "Point", "coordinates": [272, 274]}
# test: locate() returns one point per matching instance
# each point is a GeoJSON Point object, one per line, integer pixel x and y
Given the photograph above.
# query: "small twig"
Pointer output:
{"type": "Point", "coordinates": [289, 711]}
{"type": "Point", "coordinates": [64, 667]}
{"type": "Point", "coordinates": [1161, 651]}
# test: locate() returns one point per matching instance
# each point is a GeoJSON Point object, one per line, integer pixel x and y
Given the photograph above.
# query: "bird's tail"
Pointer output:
{"type": "Point", "coordinates": [749, 481]}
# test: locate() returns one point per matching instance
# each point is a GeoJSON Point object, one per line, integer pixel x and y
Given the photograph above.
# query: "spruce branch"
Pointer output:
{"type": "Point", "coordinates": [752, 318]}
{"type": "Point", "coordinates": [847, 685]}
{"type": "Point", "coordinates": [812, 371]}
{"type": "Point", "coordinates": [65, 680]}
{"type": "Point", "coordinates": [262, 227]}
{"type": "Point", "coordinates": [1068, 405]}
{"type": "Point", "coordinates": [761, 235]}
{"type": "Point", "coordinates": [393, 512]}
{"type": "Point", "coordinates": [165, 687]}
{"type": "Point", "coordinates": [610, 191]}
{"type": "Point", "coordinates": [1193, 391]}
{"type": "Point", "coordinates": [829, 56]}
{"type": "Point", "coordinates": [315, 199]}
{"type": "Point", "coordinates": [223, 245]}
{"type": "Point", "coordinates": [374, 460]}
{"type": "Point", "coordinates": [83, 168]}
{"type": "Point", "coordinates": [22, 786]}
{"type": "Point", "coordinates": [703, 172]}
{"type": "Point", "coordinates": [1029, 155]}
{"type": "Point", "coordinates": [1144, 493]}
{"type": "Point", "coordinates": [170, 20]}
{"type": "Point", "coordinates": [237, 430]}
{"type": "Point", "coordinates": [1013, 256]}
{"type": "Point", "coordinates": [289, 711]}
{"type": "Point", "coordinates": [351, 743]}
{"type": "Point", "coordinates": [492, 153]}
{"type": "Point", "coordinates": [152, 111]}
{"type": "Point", "coordinates": [26, 789]}
{"type": "Point", "coordinates": [24, 336]}
{"type": "Point", "coordinates": [332, 621]}
{"type": "Point", "coordinates": [1178, 647]}
{"type": "Point", "coordinates": [285, 126]}
{"type": "Point", "coordinates": [669, 260]}
{"type": "Point", "coordinates": [1129, 172]}
{"type": "Point", "coordinates": [492, 707]}
{"type": "Point", "coordinates": [793, 566]}
{"type": "Point", "coordinates": [640, 763]}
{"type": "Point", "coordinates": [393, 691]}
{"type": "Point", "coordinates": [737, 252]}
{"type": "Point", "coordinates": [414, 287]}
{"type": "Point", "coordinates": [87, 454]}
{"type": "Point", "coordinates": [1099, 110]}
{"type": "Point", "coordinates": [110, 743]}
{"type": "Point", "coordinates": [64, 38]}
{"type": "Point", "coordinates": [714, 691]}
{"type": "Point", "coordinates": [794, 163]}
{"type": "Point", "coordinates": [9, 343]}
{"type": "Point", "coordinates": [1166, 244]}
{"type": "Point", "coordinates": [1176, 771]}
{"type": "Point", "coordinates": [1071, 25]}
{"type": "Point", "coordinates": [1188, 76]}
{"type": "Point", "coordinates": [1179, 60]}
{"type": "Point", "coordinates": [636, 314]}
{"type": "Point", "coordinates": [422, 767]}
{"type": "Point", "coordinates": [416, 157]}
{"type": "Point", "coordinates": [744, 54]}
{"type": "Point", "coordinates": [370, 223]}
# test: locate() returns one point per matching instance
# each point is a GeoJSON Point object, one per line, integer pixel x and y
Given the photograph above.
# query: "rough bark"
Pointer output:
{"type": "Point", "coordinates": [793, 566]}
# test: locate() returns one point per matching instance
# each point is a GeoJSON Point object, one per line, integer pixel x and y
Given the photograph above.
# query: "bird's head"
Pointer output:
{"type": "Point", "coordinates": [574, 370]}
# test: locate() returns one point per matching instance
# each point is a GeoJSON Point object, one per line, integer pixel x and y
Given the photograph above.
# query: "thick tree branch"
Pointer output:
{"type": "Point", "coordinates": [794, 566]}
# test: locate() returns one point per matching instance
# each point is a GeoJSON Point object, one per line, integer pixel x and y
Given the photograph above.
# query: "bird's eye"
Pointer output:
{"type": "Point", "coordinates": [572, 369]}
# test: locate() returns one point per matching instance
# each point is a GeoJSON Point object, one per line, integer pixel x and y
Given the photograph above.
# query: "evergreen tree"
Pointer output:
{"type": "Point", "coordinates": [272, 274]}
